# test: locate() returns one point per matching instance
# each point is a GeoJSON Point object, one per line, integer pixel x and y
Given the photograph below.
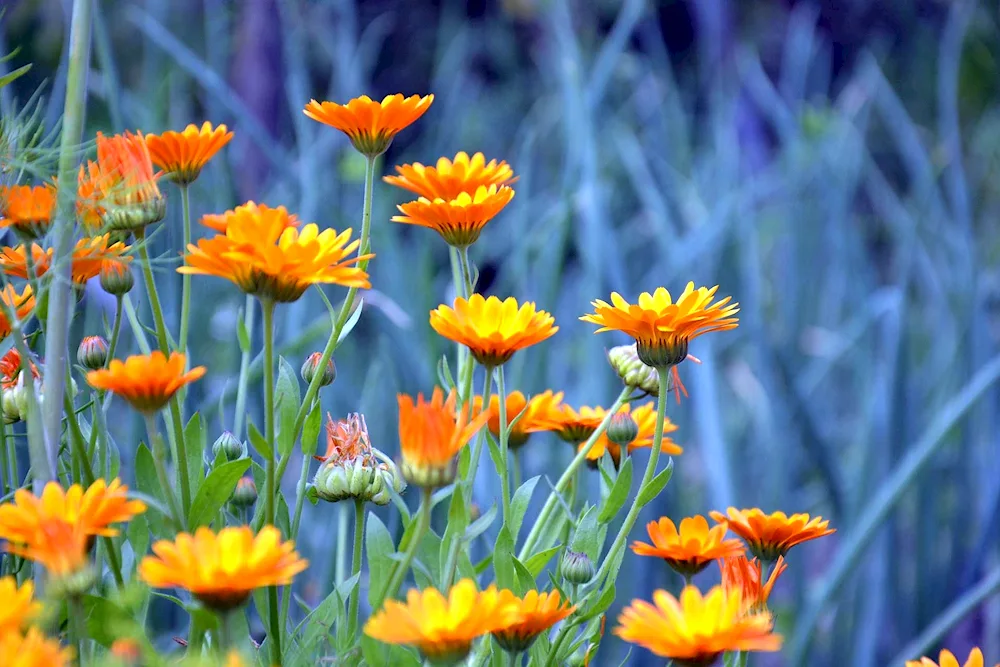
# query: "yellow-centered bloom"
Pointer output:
{"type": "Point", "coordinates": [450, 178]}
{"type": "Point", "coordinates": [28, 210]}
{"type": "Point", "coordinates": [19, 606]}
{"type": "Point", "coordinates": [539, 413]}
{"type": "Point", "coordinates": [537, 612]}
{"type": "Point", "coordinates": [182, 155]}
{"type": "Point", "coordinates": [147, 382]}
{"type": "Point", "coordinates": [33, 649]}
{"type": "Point", "coordinates": [492, 329]}
{"type": "Point", "coordinates": [769, 536]}
{"type": "Point", "coordinates": [948, 659]}
{"type": "Point", "coordinates": [461, 220]}
{"type": "Point", "coordinates": [20, 304]}
{"type": "Point", "coordinates": [746, 577]}
{"type": "Point", "coordinates": [85, 263]}
{"type": "Point", "coordinates": [690, 549]}
{"type": "Point", "coordinates": [370, 125]}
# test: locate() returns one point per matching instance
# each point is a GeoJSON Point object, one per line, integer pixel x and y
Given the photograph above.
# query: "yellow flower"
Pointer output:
{"type": "Point", "coordinates": [21, 304]}
{"type": "Point", "coordinates": [32, 650]}
{"type": "Point", "coordinates": [265, 255]}
{"type": "Point", "coordinates": [93, 509]}
{"type": "Point", "coordinates": [430, 436]}
{"type": "Point", "coordinates": [88, 256]}
{"type": "Point", "coordinates": [442, 628]}
{"type": "Point", "coordinates": [120, 190]}
{"type": "Point", "coordinates": [662, 327]}
{"type": "Point", "coordinates": [539, 413]}
{"type": "Point", "coordinates": [461, 220]}
{"type": "Point", "coordinates": [537, 613]}
{"type": "Point", "coordinates": [695, 630]}
{"type": "Point", "coordinates": [769, 536]}
{"type": "Point", "coordinates": [690, 549]}
{"type": "Point", "coordinates": [147, 382]}
{"type": "Point", "coordinates": [27, 210]}
{"type": "Point", "coordinates": [948, 659]}
{"type": "Point", "coordinates": [219, 222]}
{"type": "Point", "coordinates": [492, 329]}
{"type": "Point", "coordinates": [221, 570]}
{"type": "Point", "coordinates": [450, 178]}
{"type": "Point", "coordinates": [18, 608]}
{"type": "Point", "coordinates": [370, 125]}
{"type": "Point", "coordinates": [182, 155]}
{"type": "Point", "coordinates": [745, 577]}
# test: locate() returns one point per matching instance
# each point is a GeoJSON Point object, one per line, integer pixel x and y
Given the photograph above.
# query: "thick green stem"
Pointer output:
{"type": "Point", "coordinates": [185, 278]}
{"type": "Point", "coordinates": [160, 463]}
{"type": "Point", "coordinates": [241, 388]}
{"type": "Point", "coordinates": [399, 572]}
{"type": "Point", "coordinates": [151, 293]}
{"type": "Point", "coordinates": [225, 631]}
{"type": "Point", "coordinates": [116, 329]}
{"type": "Point", "coordinates": [359, 537]}
{"type": "Point", "coordinates": [504, 441]}
{"type": "Point", "coordinates": [271, 492]}
{"type": "Point", "coordinates": [477, 447]}
{"type": "Point", "coordinates": [77, 626]}
{"type": "Point", "coordinates": [742, 658]}
{"type": "Point", "coordinates": [42, 468]}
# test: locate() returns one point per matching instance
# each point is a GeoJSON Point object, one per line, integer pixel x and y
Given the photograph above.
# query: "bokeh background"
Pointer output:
{"type": "Point", "coordinates": [832, 165]}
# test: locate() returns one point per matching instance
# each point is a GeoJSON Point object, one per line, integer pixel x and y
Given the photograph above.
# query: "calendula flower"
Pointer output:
{"type": "Point", "coordinates": [539, 413]}
{"type": "Point", "coordinates": [352, 468]}
{"type": "Point", "coordinates": [769, 536]}
{"type": "Point", "coordinates": [219, 222]}
{"type": "Point", "coordinates": [223, 569]}
{"type": "Point", "coordinates": [461, 220]}
{"type": "Point", "coordinates": [492, 329]}
{"type": "Point", "coordinates": [28, 210]}
{"type": "Point", "coordinates": [148, 381]}
{"type": "Point", "coordinates": [121, 187]}
{"type": "Point", "coordinates": [20, 305]}
{"type": "Point", "coordinates": [33, 649]}
{"type": "Point", "coordinates": [537, 612]}
{"type": "Point", "coordinates": [645, 419]}
{"type": "Point", "coordinates": [746, 577]}
{"type": "Point", "coordinates": [695, 630]}
{"type": "Point", "coordinates": [450, 178]}
{"type": "Point", "coordinates": [266, 256]}
{"type": "Point", "coordinates": [181, 155]}
{"type": "Point", "coordinates": [662, 327]}
{"type": "Point", "coordinates": [598, 449]}
{"type": "Point", "coordinates": [690, 549]}
{"type": "Point", "coordinates": [370, 125]}
{"type": "Point", "coordinates": [89, 254]}
{"type": "Point", "coordinates": [19, 606]}
{"type": "Point", "coordinates": [948, 659]}
{"type": "Point", "coordinates": [430, 436]}
{"type": "Point", "coordinates": [441, 628]}
{"type": "Point", "coordinates": [10, 368]}
{"type": "Point", "coordinates": [575, 426]}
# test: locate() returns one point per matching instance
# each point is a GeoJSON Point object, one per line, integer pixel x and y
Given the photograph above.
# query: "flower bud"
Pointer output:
{"type": "Point", "coordinates": [136, 215]}
{"type": "Point", "coordinates": [245, 494]}
{"type": "Point", "coordinates": [21, 393]}
{"type": "Point", "coordinates": [11, 413]}
{"type": "Point", "coordinates": [623, 429]}
{"type": "Point", "coordinates": [72, 584]}
{"type": "Point", "coordinates": [230, 446]}
{"type": "Point", "coordinates": [352, 468]}
{"type": "Point", "coordinates": [92, 353]}
{"type": "Point", "coordinates": [576, 567]}
{"type": "Point", "coordinates": [633, 372]}
{"type": "Point", "coordinates": [116, 277]}
{"type": "Point", "coordinates": [311, 365]}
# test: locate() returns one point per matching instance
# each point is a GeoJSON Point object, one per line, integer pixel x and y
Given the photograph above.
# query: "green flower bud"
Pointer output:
{"type": "Point", "coordinates": [623, 429]}
{"type": "Point", "coordinates": [92, 353]}
{"type": "Point", "coordinates": [576, 567]}
{"type": "Point", "coordinates": [116, 277]}
{"type": "Point", "coordinates": [11, 413]}
{"type": "Point", "coordinates": [229, 445]}
{"type": "Point", "coordinates": [633, 372]}
{"type": "Point", "coordinates": [311, 365]}
{"type": "Point", "coordinates": [245, 494]}
{"type": "Point", "coordinates": [135, 216]}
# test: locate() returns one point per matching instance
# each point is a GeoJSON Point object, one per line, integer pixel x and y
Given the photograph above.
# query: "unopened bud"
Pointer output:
{"type": "Point", "coordinates": [576, 567]}
{"type": "Point", "coordinates": [245, 494]}
{"type": "Point", "coordinates": [92, 353]}
{"type": "Point", "coordinates": [136, 215]}
{"type": "Point", "coordinates": [623, 429]}
{"type": "Point", "coordinates": [230, 446]}
{"type": "Point", "coordinates": [311, 365]}
{"type": "Point", "coordinates": [11, 413]}
{"type": "Point", "coordinates": [116, 277]}
{"type": "Point", "coordinates": [633, 372]}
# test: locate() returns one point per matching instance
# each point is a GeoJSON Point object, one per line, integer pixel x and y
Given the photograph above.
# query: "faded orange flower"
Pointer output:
{"type": "Point", "coordinates": [746, 577]}
{"type": "Point", "coordinates": [461, 220]}
{"type": "Point", "coordinates": [351, 467]}
{"type": "Point", "coordinates": [147, 382]}
{"type": "Point", "coordinates": [370, 125]}
{"type": "Point", "coordinates": [120, 188]}
{"type": "Point", "coordinates": [182, 155]}
{"type": "Point", "coordinates": [539, 413]}
{"type": "Point", "coordinates": [450, 178]}
{"type": "Point", "coordinates": [537, 612]}
{"type": "Point", "coordinates": [769, 536]}
{"type": "Point", "coordinates": [690, 549]}
{"type": "Point", "coordinates": [88, 256]}
{"type": "Point", "coordinates": [28, 210]}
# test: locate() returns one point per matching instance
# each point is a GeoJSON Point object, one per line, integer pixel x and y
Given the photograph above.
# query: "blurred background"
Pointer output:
{"type": "Point", "coordinates": [832, 165]}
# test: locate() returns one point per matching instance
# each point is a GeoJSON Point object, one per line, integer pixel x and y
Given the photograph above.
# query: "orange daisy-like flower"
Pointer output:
{"type": "Point", "coordinates": [147, 382]}
{"type": "Point", "coordinates": [19, 606]}
{"type": "Point", "coordinates": [27, 210]}
{"type": "Point", "coordinates": [695, 630]}
{"type": "Point", "coordinates": [20, 305]}
{"type": "Point", "coordinates": [441, 628]}
{"type": "Point", "coordinates": [33, 649]}
{"type": "Point", "coordinates": [492, 329]}
{"type": "Point", "coordinates": [120, 189]}
{"type": "Point", "coordinates": [265, 255]}
{"type": "Point", "coordinates": [461, 220]}
{"type": "Point", "coordinates": [575, 426]}
{"type": "Point", "coordinates": [644, 418]}
{"type": "Point", "coordinates": [538, 612]}
{"type": "Point", "coordinates": [746, 577]}
{"type": "Point", "coordinates": [450, 178]}
{"type": "Point", "coordinates": [219, 222]}
{"type": "Point", "coordinates": [88, 256]}
{"type": "Point", "coordinates": [430, 436]}
{"type": "Point", "coordinates": [769, 536]}
{"type": "Point", "coordinates": [597, 450]}
{"type": "Point", "coordinates": [662, 327]}
{"type": "Point", "coordinates": [370, 125]}
{"type": "Point", "coordinates": [181, 155]}
{"type": "Point", "coordinates": [10, 369]}
{"type": "Point", "coordinates": [690, 549]}
{"type": "Point", "coordinates": [539, 413]}
{"type": "Point", "coordinates": [223, 569]}
{"type": "Point", "coordinates": [948, 659]}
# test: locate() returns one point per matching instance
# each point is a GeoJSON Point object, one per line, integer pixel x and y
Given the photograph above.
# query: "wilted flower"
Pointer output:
{"type": "Point", "coordinates": [352, 468]}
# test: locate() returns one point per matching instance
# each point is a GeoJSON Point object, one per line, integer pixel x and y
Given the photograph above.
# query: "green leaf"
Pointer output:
{"type": "Point", "coordinates": [537, 562]}
{"type": "Point", "coordinates": [216, 490]}
{"type": "Point", "coordinates": [105, 620]}
{"type": "Point", "coordinates": [479, 526]}
{"type": "Point", "coordinates": [519, 505]}
{"type": "Point", "coordinates": [585, 537]}
{"type": "Point", "coordinates": [445, 378]}
{"type": "Point", "coordinates": [316, 626]}
{"type": "Point", "coordinates": [378, 544]}
{"type": "Point", "coordinates": [147, 483]}
{"type": "Point", "coordinates": [287, 399]}
{"type": "Point", "coordinates": [258, 442]}
{"type": "Point", "coordinates": [138, 535]}
{"type": "Point", "coordinates": [378, 654]}
{"type": "Point", "coordinates": [495, 454]}
{"type": "Point", "coordinates": [11, 76]}
{"type": "Point", "coordinates": [352, 322]}
{"type": "Point", "coordinates": [194, 443]}
{"type": "Point", "coordinates": [311, 430]}
{"type": "Point", "coordinates": [312, 495]}
{"type": "Point", "coordinates": [241, 332]}
{"type": "Point", "coordinates": [650, 491]}
{"type": "Point", "coordinates": [601, 605]}
{"type": "Point", "coordinates": [503, 559]}
{"type": "Point", "coordinates": [619, 493]}
{"type": "Point", "coordinates": [525, 579]}
{"type": "Point", "coordinates": [458, 520]}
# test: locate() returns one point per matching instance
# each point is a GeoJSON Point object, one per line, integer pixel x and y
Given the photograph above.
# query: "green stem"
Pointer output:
{"type": "Point", "coordinates": [151, 292]}
{"type": "Point", "coordinates": [271, 492]}
{"type": "Point", "coordinates": [160, 463]}
{"type": "Point", "coordinates": [225, 631]}
{"type": "Point", "coordinates": [10, 446]}
{"type": "Point", "coordinates": [116, 330]}
{"type": "Point", "coordinates": [504, 442]}
{"type": "Point", "coordinates": [241, 388]}
{"type": "Point", "coordinates": [399, 573]}
{"type": "Point", "coordinates": [300, 496]}
{"type": "Point", "coordinates": [742, 658]}
{"type": "Point", "coordinates": [77, 626]}
{"type": "Point", "coordinates": [466, 266]}
{"type": "Point", "coordinates": [185, 278]}
{"type": "Point", "coordinates": [181, 454]}
{"type": "Point", "coordinates": [477, 448]}
{"type": "Point", "coordinates": [515, 455]}
{"type": "Point", "coordinates": [42, 468]}
{"type": "Point", "coordinates": [133, 321]}
{"type": "Point", "coordinates": [6, 477]}
{"type": "Point", "coordinates": [553, 500]}
{"type": "Point", "coordinates": [340, 559]}
{"type": "Point", "coordinates": [359, 536]}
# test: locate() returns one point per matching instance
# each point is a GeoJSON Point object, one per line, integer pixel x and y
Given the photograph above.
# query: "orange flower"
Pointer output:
{"type": "Point", "coordinates": [183, 154]}
{"type": "Point", "coordinates": [220, 221]}
{"type": "Point", "coordinates": [746, 578]}
{"type": "Point", "coordinates": [537, 613]}
{"type": "Point", "coordinates": [20, 305]}
{"type": "Point", "coordinates": [19, 607]}
{"type": "Point", "coordinates": [27, 210]}
{"type": "Point", "coordinates": [597, 450]}
{"type": "Point", "coordinates": [121, 188]}
{"type": "Point", "coordinates": [645, 418]}
{"type": "Point", "coordinates": [948, 659]}
{"type": "Point", "coordinates": [663, 327]}
{"type": "Point", "coordinates": [492, 329]}
{"type": "Point", "coordinates": [690, 549]}
{"type": "Point", "coordinates": [450, 178]}
{"type": "Point", "coordinates": [771, 535]}
{"type": "Point", "coordinates": [33, 649]}
{"type": "Point", "coordinates": [540, 413]}
{"type": "Point", "coordinates": [147, 382]}
{"type": "Point", "coordinates": [370, 125]}
{"type": "Point", "coordinates": [265, 255]}
{"type": "Point", "coordinates": [10, 369]}
{"type": "Point", "coordinates": [346, 439]}
{"type": "Point", "coordinates": [575, 426]}
{"type": "Point", "coordinates": [461, 220]}
{"type": "Point", "coordinates": [222, 569]}
{"type": "Point", "coordinates": [430, 436]}
{"type": "Point", "coordinates": [695, 630]}
{"type": "Point", "coordinates": [88, 256]}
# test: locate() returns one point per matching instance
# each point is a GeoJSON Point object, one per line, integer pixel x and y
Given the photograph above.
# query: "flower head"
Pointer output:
{"type": "Point", "coordinates": [690, 549]}
{"type": "Point", "coordinates": [450, 178]}
{"type": "Point", "coordinates": [695, 630]}
{"type": "Point", "coordinates": [181, 155]}
{"type": "Point", "coordinates": [10, 368]}
{"type": "Point", "coordinates": [645, 418]}
{"type": "Point", "coordinates": [86, 261]}
{"type": "Point", "coordinates": [663, 327]}
{"type": "Point", "coordinates": [19, 606]}
{"type": "Point", "coordinates": [443, 628]}
{"type": "Point", "coordinates": [265, 255]}
{"type": "Point", "coordinates": [147, 382]}
{"type": "Point", "coordinates": [32, 649]}
{"type": "Point", "coordinates": [769, 536]}
{"type": "Point", "coordinates": [430, 436]}
{"type": "Point", "coordinates": [28, 210]}
{"type": "Point", "coordinates": [222, 569]}
{"type": "Point", "coordinates": [461, 220]}
{"type": "Point", "coordinates": [116, 276]}
{"type": "Point", "coordinates": [370, 125]}
{"type": "Point", "coordinates": [537, 613]}
{"type": "Point", "coordinates": [539, 413]}
{"type": "Point", "coordinates": [20, 305]}
{"type": "Point", "coordinates": [120, 190]}
{"type": "Point", "coordinates": [746, 577]}
{"type": "Point", "coordinates": [492, 329]}
{"type": "Point", "coordinates": [220, 221]}
{"type": "Point", "coordinates": [352, 468]}
{"type": "Point", "coordinates": [948, 659]}
{"type": "Point", "coordinates": [575, 426]}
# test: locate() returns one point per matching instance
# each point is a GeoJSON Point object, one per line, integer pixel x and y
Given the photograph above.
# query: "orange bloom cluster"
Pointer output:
{"type": "Point", "coordinates": [120, 191]}
{"type": "Point", "coordinates": [86, 261]}
{"type": "Point", "coordinates": [26, 209]}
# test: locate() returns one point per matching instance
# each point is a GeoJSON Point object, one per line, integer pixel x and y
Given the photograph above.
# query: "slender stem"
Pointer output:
{"type": "Point", "coordinates": [133, 321]}
{"type": "Point", "coordinates": [300, 496]}
{"type": "Point", "coordinates": [477, 448]}
{"type": "Point", "coordinates": [185, 278]}
{"type": "Point", "coordinates": [399, 573]}
{"type": "Point", "coordinates": [116, 330]}
{"type": "Point", "coordinates": [160, 463]}
{"type": "Point", "coordinates": [241, 388]}
{"type": "Point", "coordinates": [504, 441]}
{"type": "Point", "coordinates": [10, 446]}
{"type": "Point", "coordinates": [77, 626]}
{"type": "Point", "coordinates": [151, 292]}
{"type": "Point", "coordinates": [340, 560]}
{"type": "Point", "coordinates": [7, 481]}
{"type": "Point", "coordinates": [359, 537]}
{"type": "Point", "coordinates": [225, 630]}
{"type": "Point", "coordinates": [742, 658]}
{"type": "Point", "coordinates": [466, 266]}
{"type": "Point", "coordinates": [366, 213]}
{"type": "Point", "coordinates": [42, 467]}
{"type": "Point", "coordinates": [271, 492]}
{"type": "Point", "coordinates": [181, 453]}
{"type": "Point", "coordinates": [515, 455]}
